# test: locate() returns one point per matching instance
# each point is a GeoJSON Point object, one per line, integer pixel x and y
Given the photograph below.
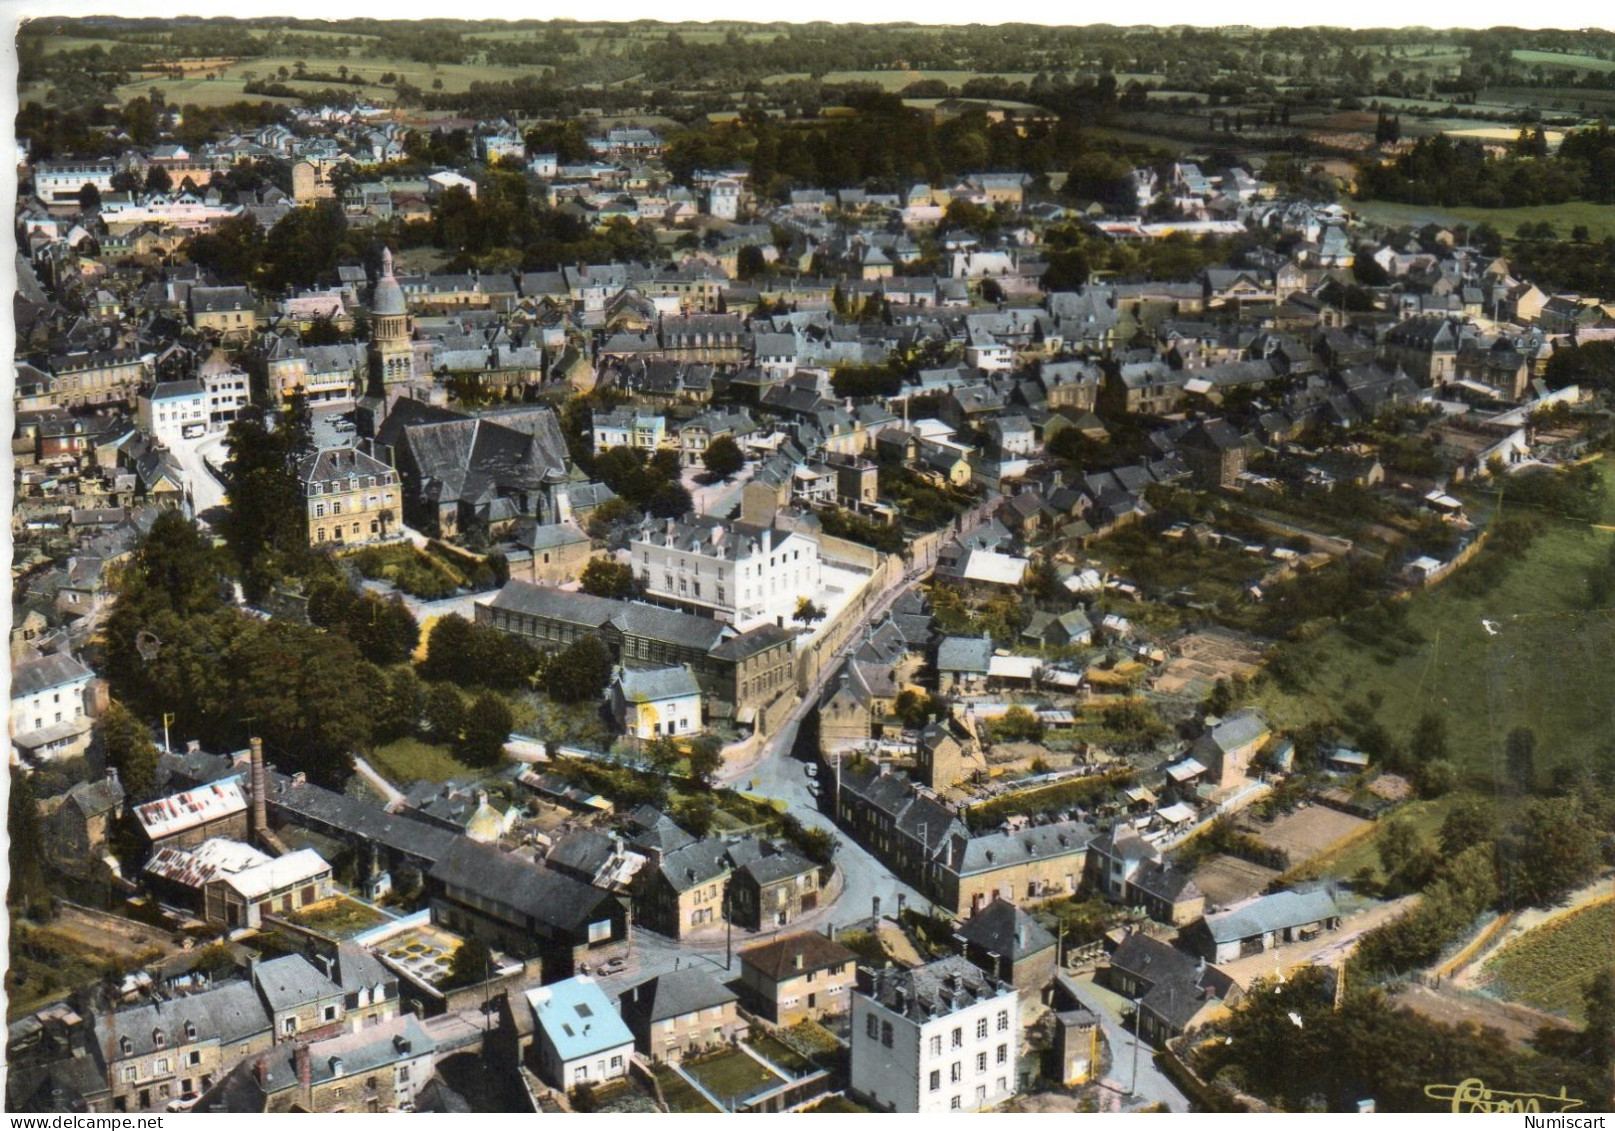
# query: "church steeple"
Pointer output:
{"type": "Point", "coordinates": [391, 359]}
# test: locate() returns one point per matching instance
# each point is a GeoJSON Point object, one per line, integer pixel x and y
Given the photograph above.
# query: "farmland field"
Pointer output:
{"type": "Point", "coordinates": [1543, 664]}
{"type": "Point", "coordinates": [1555, 59]}
{"type": "Point", "coordinates": [1548, 967]}
{"type": "Point", "coordinates": [1599, 218]}
{"type": "Point", "coordinates": [894, 81]}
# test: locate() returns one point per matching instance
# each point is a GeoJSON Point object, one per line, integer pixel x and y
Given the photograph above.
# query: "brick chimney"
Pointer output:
{"type": "Point", "coordinates": [260, 789]}
{"type": "Point", "coordinates": [305, 1067]}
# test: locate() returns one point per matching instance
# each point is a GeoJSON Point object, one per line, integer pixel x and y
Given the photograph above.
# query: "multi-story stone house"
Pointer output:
{"type": "Point", "coordinates": [749, 882]}
{"type": "Point", "coordinates": [1425, 348]}
{"type": "Point", "coordinates": [96, 377]}
{"type": "Point", "coordinates": [940, 1038]}
{"type": "Point", "coordinates": [628, 428]}
{"type": "Point", "coordinates": [680, 1013]}
{"type": "Point", "coordinates": [798, 977]}
{"type": "Point", "coordinates": [49, 706]}
{"type": "Point", "coordinates": [353, 499]}
{"type": "Point", "coordinates": [231, 313]}
{"type": "Point", "coordinates": [526, 909]}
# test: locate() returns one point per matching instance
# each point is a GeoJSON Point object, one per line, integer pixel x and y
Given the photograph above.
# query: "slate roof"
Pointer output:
{"type": "Point", "coordinates": [936, 989]}
{"type": "Point", "coordinates": [337, 464]}
{"type": "Point", "coordinates": [1159, 878]}
{"type": "Point", "coordinates": [734, 649]}
{"type": "Point", "coordinates": [655, 831]}
{"type": "Point", "coordinates": [1274, 912]}
{"type": "Point", "coordinates": [653, 685]}
{"type": "Point", "coordinates": [1040, 842]}
{"type": "Point", "coordinates": [93, 798]}
{"type": "Point", "coordinates": [292, 981]}
{"type": "Point", "coordinates": [652, 622]}
{"type": "Point", "coordinates": [964, 654]}
{"type": "Point", "coordinates": [227, 1014]}
{"type": "Point", "coordinates": [1239, 729]}
{"type": "Point", "coordinates": [1007, 930]}
{"type": "Point", "coordinates": [542, 894]}
{"type": "Point", "coordinates": [55, 670]}
{"type": "Point", "coordinates": [557, 604]}
{"type": "Point", "coordinates": [677, 993]}
{"type": "Point", "coordinates": [696, 864]}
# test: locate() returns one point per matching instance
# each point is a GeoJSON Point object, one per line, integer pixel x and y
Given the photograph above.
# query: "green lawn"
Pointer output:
{"type": "Point", "coordinates": [732, 1075]}
{"type": "Point", "coordinates": [339, 918]}
{"type": "Point", "coordinates": [680, 1095]}
{"type": "Point", "coordinates": [1526, 653]}
{"type": "Point", "coordinates": [409, 760]}
{"type": "Point", "coordinates": [1550, 966]}
{"type": "Point", "coordinates": [781, 1055]}
{"type": "Point", "coordinates": [1599, 218]}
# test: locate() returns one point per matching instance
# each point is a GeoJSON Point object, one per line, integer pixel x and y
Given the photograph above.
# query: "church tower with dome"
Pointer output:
{"type": "Point", "coordinates": [391, 357]}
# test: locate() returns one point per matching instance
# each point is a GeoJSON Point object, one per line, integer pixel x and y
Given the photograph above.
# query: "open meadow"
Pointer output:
{"type": "Point", "coordinates": [1526, 653]}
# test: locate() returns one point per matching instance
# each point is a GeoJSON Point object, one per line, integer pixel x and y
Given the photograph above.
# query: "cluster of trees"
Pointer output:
{"type": "Point", "coordinates": [266, 526]}
{"type": "Point", "coordinates": [1289, 1045]}
{"type": "Point", "coordinates": [1529, 854]}
{"type": "Point", "coordinates": [651, 485]}
{"type": "Point", "coordinates": [1460, 172]}
{"type": "Point", "coordinates": [1574, 265]}
{"type": "Point", "coordinates": [174, 643]}
{"type": "Point", "coordinates": [382, 628]}
{"type": "Point", "coordinates": [304, 245]}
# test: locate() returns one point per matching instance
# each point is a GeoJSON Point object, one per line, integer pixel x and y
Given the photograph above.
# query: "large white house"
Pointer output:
{"type": "Point", "coordinates": [739, 573]}
{"type": "Point", "coordinates": [48, 717]}
{"type": "Point", "coordinates": [174, 411]}
{"type": "Point", "coordinates": [939, 1038]}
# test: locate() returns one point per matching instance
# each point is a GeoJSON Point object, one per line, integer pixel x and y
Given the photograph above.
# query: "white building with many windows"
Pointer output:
{"type": "Point", "coordinates": [736, 572]}
{"type": "Point", "coordinates": [939, 1038]}
{"type": "Point", "coordinates": [174, 411]}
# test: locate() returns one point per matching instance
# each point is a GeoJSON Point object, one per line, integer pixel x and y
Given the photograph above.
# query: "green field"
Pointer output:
{"type": "Point", "coordinates": [229, 87]}
{"type": "Point", "coordinates": [1599, 218]}
{"type": "Point", "coordinates": [894, 81]}
{"type": "Point", "coordinates": [1425, 817]}
{"type": "Point", "coordinates": [1549, 966]}
{"type": "Point", "coordinates": [1555, 59]}
{"type": "Point", "coordinates": [410, 760]}
{"type": "Point", "coordinates": [1546, 666]}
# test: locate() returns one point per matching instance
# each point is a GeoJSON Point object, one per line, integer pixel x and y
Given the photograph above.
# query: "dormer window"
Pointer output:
{"type": "Point", "coordinates": [190, 1030]}
{"type": "Point", "coordinates": [126, 1046]}
{"type": "Point", "coordinates": [158, 1039]}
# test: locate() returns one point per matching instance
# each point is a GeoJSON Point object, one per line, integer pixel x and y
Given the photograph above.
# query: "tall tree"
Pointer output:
{"type": "Point", "coordinates": [580, 672]}
{"type": "Point", "coordinates": [487, 726]}
{"type": "Point", "coordinates": [128, 748]}
{"type": "Point", "coordinates": [28, 892]}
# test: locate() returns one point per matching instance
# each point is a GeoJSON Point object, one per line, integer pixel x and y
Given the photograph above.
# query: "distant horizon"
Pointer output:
{"type": "Point", "coordinates": [1175, 14]}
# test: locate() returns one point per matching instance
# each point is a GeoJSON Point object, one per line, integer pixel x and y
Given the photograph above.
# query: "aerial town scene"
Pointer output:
{"type": "Point", "coordinates": [640, 567]}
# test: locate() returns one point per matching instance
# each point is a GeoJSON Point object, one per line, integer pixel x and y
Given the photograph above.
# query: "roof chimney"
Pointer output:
{"type": "Point", "coordinates": [260, 1071]}
{"type": "Point", "coordinates": [305, 1070]}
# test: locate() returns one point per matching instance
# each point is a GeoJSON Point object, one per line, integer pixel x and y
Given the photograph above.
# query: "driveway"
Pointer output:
{"type": "Point", "coordinates": [1150, 1085]}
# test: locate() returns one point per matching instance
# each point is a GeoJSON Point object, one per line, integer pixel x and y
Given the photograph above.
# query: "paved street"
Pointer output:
{"type": "Point", "coordinates": [718, 498]}
{"type": "Point", "coordinates": [207, 493]}
{"type": "Point", "coordinates": [1151, 1086]}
